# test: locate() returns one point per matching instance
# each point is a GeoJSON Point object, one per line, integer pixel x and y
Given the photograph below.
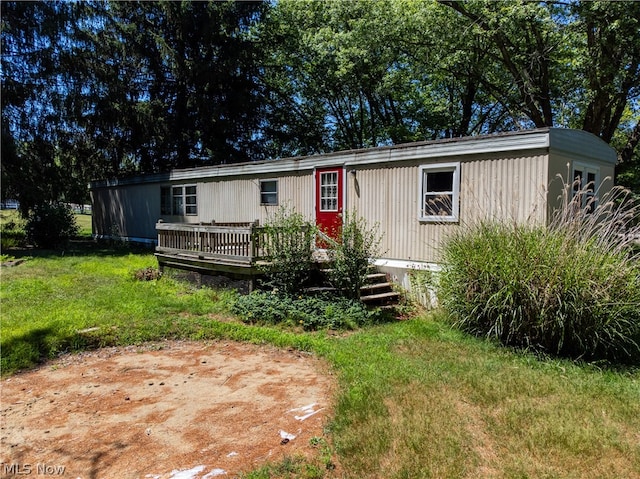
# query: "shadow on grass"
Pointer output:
{"type": "Point", "coordinates": [81, 247]}
{"type": "Point", "coordinates": [33, 348]}
{"type": "Point", "coordinates": [27, 350]}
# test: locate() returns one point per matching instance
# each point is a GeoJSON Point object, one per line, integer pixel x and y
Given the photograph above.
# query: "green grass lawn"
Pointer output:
{"type": "Point", "coordinates": [84, 223]}
{"type": "Point", "coordinates": [415, 399]}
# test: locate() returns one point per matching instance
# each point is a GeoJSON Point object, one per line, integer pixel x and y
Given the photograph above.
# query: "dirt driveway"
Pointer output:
{"type": "Point", "coordinates": [177, 410]}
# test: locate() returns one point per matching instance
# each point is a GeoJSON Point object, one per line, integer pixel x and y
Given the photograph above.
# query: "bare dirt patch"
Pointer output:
{"type": "Point", "coordinates": [175, 410]}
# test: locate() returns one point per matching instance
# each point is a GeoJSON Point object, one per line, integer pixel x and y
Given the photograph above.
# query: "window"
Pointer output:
{"type": "Point", "coordinates": [165, 200]}
{"type": "Point", "coordinates": [439, 192]}
{"type": "Point", "coordinates": [190, 200]}
{"type": "Point", "coordinates": [268, 192]}
{"type": "Point", "coordinates": [584, 180]}
{"type": "Point", "coordinates": [329, 191]}
{"type": "Point", "coordinates": [178, 200]}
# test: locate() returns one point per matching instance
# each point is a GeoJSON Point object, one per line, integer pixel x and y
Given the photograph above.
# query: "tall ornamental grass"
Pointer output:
{"type": "Point", "coordinates": [571, 288]}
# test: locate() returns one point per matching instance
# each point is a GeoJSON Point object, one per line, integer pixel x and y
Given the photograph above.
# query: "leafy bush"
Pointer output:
{"type": "Point", "coordinates": [310, 312]}
{"type": "Point", "coordinates": [12, 234]}
{"type": "Point", "coordinates": [289, 248]}
{"type": "Point", "coordinates": [572, 288]}
{"type": "Point", "coordinates": [351, 255]}
{"type": "Point", "coordinates": [51, 225]}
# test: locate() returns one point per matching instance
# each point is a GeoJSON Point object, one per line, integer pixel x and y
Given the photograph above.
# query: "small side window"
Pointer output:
{"type": "Point", "coordinates": [439, 192]}
{"type": "Point", "coordinates": [269, 192]}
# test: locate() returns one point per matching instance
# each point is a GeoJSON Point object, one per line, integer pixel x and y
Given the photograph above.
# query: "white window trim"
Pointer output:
{"type": "Point", "coordinates": [184, 199]}
{"type": "Point", "coordinates": [277, 192]}
{"type": "Point", "coordinates": [587, 168]}
{"type": "Point", "coordinates": [455, 207]}
{"type": "Point", "coordinates": [337, 186]}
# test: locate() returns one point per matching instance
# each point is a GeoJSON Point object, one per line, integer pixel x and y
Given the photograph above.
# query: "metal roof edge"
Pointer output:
{"type": "Point", "coordinates": [581, 144]}
{"type": "Point", "coordinates": [586, 144]}
{"type": "Point", "coordinates": [529, 140]}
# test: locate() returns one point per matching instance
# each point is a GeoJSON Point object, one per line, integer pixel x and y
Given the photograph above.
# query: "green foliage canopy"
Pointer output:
{"type": "Point", "coordinates": [99, 89]}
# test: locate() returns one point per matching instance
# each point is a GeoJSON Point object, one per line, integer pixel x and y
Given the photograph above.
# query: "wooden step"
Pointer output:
{"type": "Point", "coordinates": [367, 287]}
{"type": "Point", "coordinates": [376, 276]}
{"type": "Point", "coordinates": [381, 296]}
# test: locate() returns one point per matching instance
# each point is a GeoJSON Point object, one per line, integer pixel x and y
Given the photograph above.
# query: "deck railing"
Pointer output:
{"type": "Point", "coordinates": [241, 242]}
{"type": "Point", "coordinates": [230, 243]}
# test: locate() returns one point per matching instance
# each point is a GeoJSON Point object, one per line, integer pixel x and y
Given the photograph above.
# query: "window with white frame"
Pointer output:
{"type": "Point", "coordinates": [268, 192]}
{"type": "Point", "coordinates": [179, 200]}
{"type": "Point", "coordinates": [329, 191]}
{"type": "Point", "coordinates": [585, 179]}
{"type": "Point", "coordinates": [439, 192]}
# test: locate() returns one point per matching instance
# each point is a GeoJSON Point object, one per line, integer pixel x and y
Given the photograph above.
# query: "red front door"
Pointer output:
{"type": "Point", "coordinates": [329, 200]}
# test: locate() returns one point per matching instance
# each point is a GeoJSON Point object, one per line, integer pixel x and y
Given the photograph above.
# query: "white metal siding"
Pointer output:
{"type": "Point", "coordinates": [132, 211]}
{"type": "Point", "coordinates": [499, 188]}
{"type": "Point", "coordinates": [239, 199]}
{"type": "Point", "coordinates": [504, 176]}
{"type": "Point", "coordinates": [504, 188]}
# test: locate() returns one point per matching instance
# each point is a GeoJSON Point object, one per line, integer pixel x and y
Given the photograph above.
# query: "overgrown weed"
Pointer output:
{"type": "Point", "coordinates": [311, 312]}
{"type": "Point", "coordinates": [288, 245]}
{"type": "Point", "coordinates": [352, 253]}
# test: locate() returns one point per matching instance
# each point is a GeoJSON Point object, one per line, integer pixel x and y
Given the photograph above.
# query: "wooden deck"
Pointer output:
{"type": "Point", "coordinates": [236, 248]}
{"type": "Point", "coordinates": [240, 250]}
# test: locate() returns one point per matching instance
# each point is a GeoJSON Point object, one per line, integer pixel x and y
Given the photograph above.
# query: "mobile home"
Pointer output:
{"type": "Point", "coordinates": [517, 176]}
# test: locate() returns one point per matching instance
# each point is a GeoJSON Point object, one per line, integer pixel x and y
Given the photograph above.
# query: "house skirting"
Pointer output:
{"type": "Point", "coordinates": [417, 278]}
{"type": "Point", "coordinates": [126, 239]}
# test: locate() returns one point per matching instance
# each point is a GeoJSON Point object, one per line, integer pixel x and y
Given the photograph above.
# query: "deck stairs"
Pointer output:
{"type": "Point", "coordinates": [377, 291]}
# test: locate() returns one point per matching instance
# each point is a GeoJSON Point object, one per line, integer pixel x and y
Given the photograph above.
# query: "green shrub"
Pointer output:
{"type": "Point", "coordinates": [51, 225]}
{"type": "Point", "coordinates": [571, 289]}
{"type": "Point", "coordinates": [351, 255]}
{"type": "Point", "coordinates": [289, 241]}
{"type": "Point", "coordinates": [12, 234]}
{"type": "Point", "coordinates": [310, 312]}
